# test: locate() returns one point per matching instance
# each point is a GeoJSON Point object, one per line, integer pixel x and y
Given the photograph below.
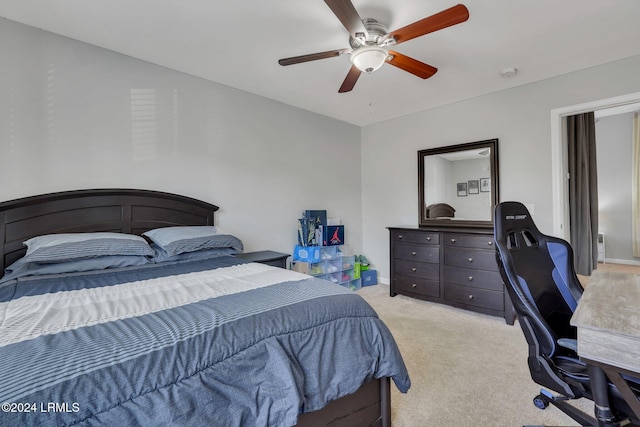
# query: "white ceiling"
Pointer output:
{"type": "Point", "coordinates": [237, 43]}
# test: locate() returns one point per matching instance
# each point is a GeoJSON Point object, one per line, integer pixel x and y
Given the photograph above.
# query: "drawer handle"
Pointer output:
{"type": "Point", "coordinates": [413, 253]}
{"type": "Point", "coordinates": [413, 285]}
{"type": "Point", "coordinates": [470, 259]}
{"type": "Point", "coordinates": [428, 238]}
{"type": "Point", "coordinates": [453, 240]}
{"type": "Point", "coordinates": [490, 243]}
{"type": "Point", "coordinates": [414, 269]}
{"type": "Point", "coordinates": [470, 278]}
{"type": "Point", "coordinates": [400, 236]}
{"type": "Point", "coordinates": [470, 297]}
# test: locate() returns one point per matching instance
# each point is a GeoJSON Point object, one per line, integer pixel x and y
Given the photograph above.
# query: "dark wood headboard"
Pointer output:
{"type": "Point", "coordinates": [116, 210]}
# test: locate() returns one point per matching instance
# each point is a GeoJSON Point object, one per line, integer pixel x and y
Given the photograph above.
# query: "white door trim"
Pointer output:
{"type": "Point", "coordinates": [558, 156]}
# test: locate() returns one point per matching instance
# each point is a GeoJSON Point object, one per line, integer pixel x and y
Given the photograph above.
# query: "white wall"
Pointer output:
{"type": "Point", "coordinates": [614, 147]}
{"type": "Point", "coordinates": [443, 176]}
{"type": "Point", "coordinates": [518, 117]}
{"type": "Point", "coordinates": [474, 205]}
{"type": "Point", "coordinates": [67, 122]}
{"type": "Point", "coordinates": [437, 172]}
{"type": "Point", "coordinates": [75, 116]}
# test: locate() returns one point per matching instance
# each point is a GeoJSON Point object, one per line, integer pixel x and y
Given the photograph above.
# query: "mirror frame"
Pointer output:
{"type": "Point", "coordinates": [495, 178]}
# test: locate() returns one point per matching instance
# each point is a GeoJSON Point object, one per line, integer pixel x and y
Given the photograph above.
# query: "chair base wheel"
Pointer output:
{"type": "Point", "coordinates": [541, 401]}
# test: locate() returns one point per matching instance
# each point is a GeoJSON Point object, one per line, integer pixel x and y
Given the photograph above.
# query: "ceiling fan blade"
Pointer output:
{"type": "Point", "coordinates": [452, 16]}
{"type": "Point", "coordinates": [413, 66]}
{"type": "Point", "coordinates": [347, 14]}
{"type": "Point", "coordinates": [350, 80]}
{"type": "Point", "coordinates": [312, 57]}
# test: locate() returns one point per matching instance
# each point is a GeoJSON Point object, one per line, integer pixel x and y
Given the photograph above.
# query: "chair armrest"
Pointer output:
{"type": "Point", "coordinates": [569, 343]}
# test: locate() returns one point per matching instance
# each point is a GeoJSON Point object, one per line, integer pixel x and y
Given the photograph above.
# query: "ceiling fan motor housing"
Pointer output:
{"type": "Point", "coordinates": [375, 36]}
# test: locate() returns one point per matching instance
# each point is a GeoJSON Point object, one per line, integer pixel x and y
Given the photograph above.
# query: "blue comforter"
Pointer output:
{"type": "Point", "coordinates": [215, 342]}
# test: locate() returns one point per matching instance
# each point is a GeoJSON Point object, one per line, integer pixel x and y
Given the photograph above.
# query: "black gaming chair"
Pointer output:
{"type": "Point", "coordinates": [538, 274]}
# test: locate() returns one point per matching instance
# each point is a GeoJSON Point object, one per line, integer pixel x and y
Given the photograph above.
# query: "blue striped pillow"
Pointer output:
{"type": "Point", "coordinates": [23, 267]}
{"type": "Point", "coordinates": [54, 248]}
{"type": "Point", "coordinates": [183, 239]}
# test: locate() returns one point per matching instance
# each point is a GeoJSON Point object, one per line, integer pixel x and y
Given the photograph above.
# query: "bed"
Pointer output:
{"type": "Point", "coordinates": [196, 341]}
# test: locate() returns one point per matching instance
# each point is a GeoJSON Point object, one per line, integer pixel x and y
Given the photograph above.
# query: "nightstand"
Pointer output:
{"type": "Point", "coordinates": [277, 259]}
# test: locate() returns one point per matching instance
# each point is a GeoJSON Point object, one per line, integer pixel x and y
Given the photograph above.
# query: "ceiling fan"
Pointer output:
{"type": "Point", "coordinates": [370, 41]}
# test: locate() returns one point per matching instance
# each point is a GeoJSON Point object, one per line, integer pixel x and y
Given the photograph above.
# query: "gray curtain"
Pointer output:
{"type": "Point", "coordinates": [583, 191]}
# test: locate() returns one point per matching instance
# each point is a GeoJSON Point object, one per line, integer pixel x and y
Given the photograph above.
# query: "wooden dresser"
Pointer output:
{"type": "Point", "coordinates": [453, 266]}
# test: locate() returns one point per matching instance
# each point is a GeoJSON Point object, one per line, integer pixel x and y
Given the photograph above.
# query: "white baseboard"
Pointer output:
{"type": "Point", "coordinates": [622, 261]}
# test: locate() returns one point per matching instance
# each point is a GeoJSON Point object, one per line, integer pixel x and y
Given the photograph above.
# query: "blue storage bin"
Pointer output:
{"type": "Point", "coordinates": [307, 253]}
{"type": "Point", "coordinates": [369, 277]}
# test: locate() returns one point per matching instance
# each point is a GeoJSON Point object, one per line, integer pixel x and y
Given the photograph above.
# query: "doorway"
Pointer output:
{"type": "Point", "coordinates": [617, 105]}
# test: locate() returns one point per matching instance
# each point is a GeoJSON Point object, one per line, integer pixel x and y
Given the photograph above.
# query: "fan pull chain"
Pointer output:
{"type": "Point", "coordinates": [370, 93]}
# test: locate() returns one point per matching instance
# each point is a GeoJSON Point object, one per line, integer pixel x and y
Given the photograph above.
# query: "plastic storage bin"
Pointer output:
{"type": "Point", "coordinates": [348, 262]}
{"type": "Point", "coordinates": [332, 265]}
{"type": "Point", "coordinates": [354, 285]}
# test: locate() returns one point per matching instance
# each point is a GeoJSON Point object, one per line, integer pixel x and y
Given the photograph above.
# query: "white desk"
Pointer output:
{"type": "Point", "coordinates": [608, 323]}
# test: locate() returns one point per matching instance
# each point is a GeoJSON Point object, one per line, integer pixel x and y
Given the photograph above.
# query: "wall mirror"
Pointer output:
{"type": "Point", "coordinates": [458, 184]}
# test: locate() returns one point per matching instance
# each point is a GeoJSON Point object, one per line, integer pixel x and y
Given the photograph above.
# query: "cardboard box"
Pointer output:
{"type": "Point", "coordinates": [356, 270]}
{"type": "Point", "coordinates": [318, 216]}
{"type": "Point", "coordinates": [301, 267]}
{"type": "Point", "coordinates": [306, 253]}
{"type": "Point", "coordinates": [333, 235]}
{"type": "Point", "coordinates": [315, 221]}
{"type": "Point", "coordinates": [311, 268]}
{"type": "Point", "coordinates": [369, 277]}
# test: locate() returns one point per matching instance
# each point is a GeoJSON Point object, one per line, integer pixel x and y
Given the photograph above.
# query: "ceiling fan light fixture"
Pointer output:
{"type": "Point", "coordinates": [369, 58]}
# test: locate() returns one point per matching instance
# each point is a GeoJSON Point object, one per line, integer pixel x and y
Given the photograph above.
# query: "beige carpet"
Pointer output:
{"type": "Point", "coordinates": [467, 369]}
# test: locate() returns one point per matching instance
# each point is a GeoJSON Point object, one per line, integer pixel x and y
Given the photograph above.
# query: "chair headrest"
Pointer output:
{"type": "Point", "coordinates": [512, 216]}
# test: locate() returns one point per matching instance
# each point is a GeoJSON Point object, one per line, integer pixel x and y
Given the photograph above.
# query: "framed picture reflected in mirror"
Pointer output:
{"type": "Point", "coordinates": [462, 189]}
{"type": "Point", "coordinates": [474, 186]}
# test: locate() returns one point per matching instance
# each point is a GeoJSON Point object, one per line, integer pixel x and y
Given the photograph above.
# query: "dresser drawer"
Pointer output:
{"type": "Point", "coordinates": [416, 285]}
{"type": "Point", "coordinates": [475, 297]}
{"type": "Point", "coordinates": [483, 279]}
{"type": "Point", "coordinates": [409, 236]}
{"type": "Point", "coordinates": [422, 253]}
{"type": "Point", "coordinates": [412, 268]}
{"type": "Point", "coordinates": [480, 241]}
{"type": "Point", "coordinates": [470, 258]}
